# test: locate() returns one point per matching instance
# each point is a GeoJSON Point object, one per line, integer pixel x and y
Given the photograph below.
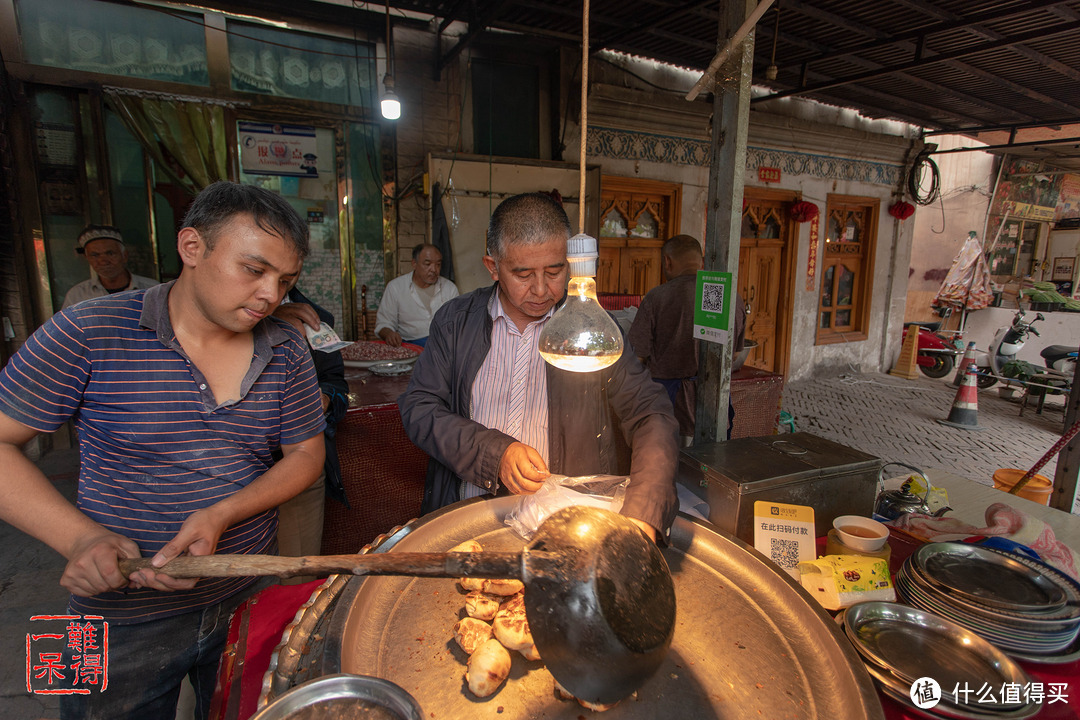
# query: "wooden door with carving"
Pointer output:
{"type": "Point", "coordinates": [765, 233]}
{"type": "Point", "coordinates": [637, 216]}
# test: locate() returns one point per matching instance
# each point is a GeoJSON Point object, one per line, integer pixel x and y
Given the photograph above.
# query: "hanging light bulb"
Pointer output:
{"type": "Point", "coordinates": [581, 336]}
{"type": "Point", "coordinates": [391, 106]}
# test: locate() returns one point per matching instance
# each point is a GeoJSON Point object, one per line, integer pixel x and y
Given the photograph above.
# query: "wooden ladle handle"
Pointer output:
{"type": "Point", "coordinates": [482, 564]}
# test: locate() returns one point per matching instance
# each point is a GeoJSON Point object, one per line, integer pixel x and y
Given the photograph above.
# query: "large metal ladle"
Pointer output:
{"type": "Point", "coordinates": [600, 599]}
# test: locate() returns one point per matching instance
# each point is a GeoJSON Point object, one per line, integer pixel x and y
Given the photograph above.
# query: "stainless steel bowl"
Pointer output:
{"type": "Point", "coordinates": [740, 357]}
{"type": "Point", "coordinates": [343, 696]}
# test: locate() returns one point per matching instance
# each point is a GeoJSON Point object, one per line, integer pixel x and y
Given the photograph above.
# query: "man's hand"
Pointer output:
{"type": "Point", "coordinates": [94, 565]}
{"type": "Point", "coordinates": [198, 536]}
{"type": "Point", "coordinates": [649, 530]}
{"type": "Point", "coordinates": [522, 470]}
{"type": "Point", "coordinates": [391, 338]}
{"type": "Point", "coordinates": [298, 315]}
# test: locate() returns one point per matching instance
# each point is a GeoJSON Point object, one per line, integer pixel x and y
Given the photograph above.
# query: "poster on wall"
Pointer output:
{"type": "Point", "coordinates": [273, 149]}
{"type": "Point", "coordinates": [1068, 205]}
{"type": "Point", "coordinates": [1063, 268]}
{"type": "Point", "coordinates": [1026, 194]}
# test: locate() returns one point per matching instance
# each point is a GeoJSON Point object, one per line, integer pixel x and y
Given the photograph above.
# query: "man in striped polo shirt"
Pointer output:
{"type": "Point", "coordinates": [180, 394]}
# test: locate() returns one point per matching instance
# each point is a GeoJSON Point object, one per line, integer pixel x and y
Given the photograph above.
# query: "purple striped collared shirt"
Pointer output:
{"type": "Point", "coordinates": [510, 391]}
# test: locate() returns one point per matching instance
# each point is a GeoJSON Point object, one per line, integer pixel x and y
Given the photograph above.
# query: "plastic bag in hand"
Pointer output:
{"type": "Point", "coordinates": [558, 491]}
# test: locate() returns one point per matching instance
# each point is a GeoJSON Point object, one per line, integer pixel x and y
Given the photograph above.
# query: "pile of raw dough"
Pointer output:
{"type": "Point", "coordinates": [495, 625]}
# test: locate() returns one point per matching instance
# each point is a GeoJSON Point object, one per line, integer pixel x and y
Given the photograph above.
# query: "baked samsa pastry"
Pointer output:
{"type": "Point", "coordinates": [471, 633]}
{"type": "Point", "coordinates": [482, 606]}
{"type": "Point", "coordinates": [470, 584]}
{"type": "Point", "coordinates": [531, 654]}
{"type": "Point", "coordinates": [488, 667]}
{"type": "Point", "coordinates": [503, 587]}
{"type": "Point", "coordinates": [512, 630]}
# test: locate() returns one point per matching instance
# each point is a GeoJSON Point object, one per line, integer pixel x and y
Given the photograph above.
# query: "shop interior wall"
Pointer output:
{"type": "Point", "coordinates": [940, 229]}
{"type": "Point", "coordinates": [467, 216]}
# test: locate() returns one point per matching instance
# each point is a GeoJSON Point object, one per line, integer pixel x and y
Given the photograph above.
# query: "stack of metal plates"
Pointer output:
{"type": "Point", "coordinates": [1023, 606]}
{"type": "Point", "coordinates": [903, 646]}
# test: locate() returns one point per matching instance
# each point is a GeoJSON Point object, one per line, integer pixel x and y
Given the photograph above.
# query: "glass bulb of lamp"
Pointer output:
{"type": "Point", "coordinates": [581, 336]}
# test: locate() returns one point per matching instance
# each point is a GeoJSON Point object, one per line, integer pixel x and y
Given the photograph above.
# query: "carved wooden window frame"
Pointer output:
{"type": "Point", "coordinates": [854, 257]}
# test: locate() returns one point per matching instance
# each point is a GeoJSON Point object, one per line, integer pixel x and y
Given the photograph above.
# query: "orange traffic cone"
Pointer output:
{"type": "Point", "coordinates": [906, 364]}
{"type": "Point", "coordinates": [969, 358]}
{"type": "Point", "coordinates": [965, 408]}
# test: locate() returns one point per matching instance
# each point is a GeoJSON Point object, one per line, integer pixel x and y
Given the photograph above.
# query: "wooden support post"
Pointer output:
{"type": "Point", "coordinates": [1068, 464]}
{"type": "Point", "coordinates": [723, 223]}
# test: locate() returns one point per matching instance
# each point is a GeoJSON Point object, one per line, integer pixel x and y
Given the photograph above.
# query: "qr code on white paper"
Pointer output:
{"type": "Point", "coordinates": [784, 553]}
{"type": "Point", "coordinates": [712, 297]}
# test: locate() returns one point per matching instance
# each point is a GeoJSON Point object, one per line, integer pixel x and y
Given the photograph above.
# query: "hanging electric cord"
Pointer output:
{"type": "Point", "coordinates": [915, 180]}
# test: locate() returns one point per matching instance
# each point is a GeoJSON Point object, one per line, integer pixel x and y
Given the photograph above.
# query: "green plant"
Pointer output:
{"type": "Point", "coordinates": [1024, 372]}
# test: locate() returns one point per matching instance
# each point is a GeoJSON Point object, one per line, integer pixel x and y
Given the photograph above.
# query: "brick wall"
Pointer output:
{"type": "Point", "coordinates": [429, 122]}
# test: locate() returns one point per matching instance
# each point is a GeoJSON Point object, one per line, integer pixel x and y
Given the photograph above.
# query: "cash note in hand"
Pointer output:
{"type": "Point", "coordinates": [325, 339]}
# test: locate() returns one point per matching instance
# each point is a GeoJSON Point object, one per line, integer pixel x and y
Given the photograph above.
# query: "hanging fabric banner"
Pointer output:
{"type": "Point", "coordinates": [811, 260]}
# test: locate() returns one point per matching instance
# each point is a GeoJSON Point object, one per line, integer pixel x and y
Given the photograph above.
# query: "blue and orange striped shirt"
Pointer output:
{"type": "Point", "coordinates": [154, 445]}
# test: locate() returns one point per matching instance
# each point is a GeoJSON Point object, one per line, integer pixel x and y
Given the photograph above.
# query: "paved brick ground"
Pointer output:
{"type": "Point", "coordinates": [895, 419]}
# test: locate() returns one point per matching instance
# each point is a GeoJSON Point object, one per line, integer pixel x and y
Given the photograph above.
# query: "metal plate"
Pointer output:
{"type": "Point", "coordinates": [913, 644]}
{"type": "Point", "coordinates": [988, 578]}
{"type": "Point", "coordinates": [1067, 655]}
{"type": "Point", "coordinates": [343, 696]}
{"type": "Point", "coordinates": [747, 638]}
{"type": "Point", "coordinates": [900, 692]}
{"type": "Point", "coordinates": [389, 369]}
{"type": "Point", "coordinates": [371, 363]}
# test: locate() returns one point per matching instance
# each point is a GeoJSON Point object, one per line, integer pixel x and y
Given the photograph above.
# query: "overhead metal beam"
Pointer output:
{"type": "Point", "coordinates": [1034, 143]}
{"type": "Point", "coordinates": [916, 80]}
{"type": "Point", "coordinates": [1015, 87]}
{"type": "Point", "coordinates": [666, 15]}
{"type": "Point", "coordinates": [990, 34]}
{"type": "Point", "coordinates": [943, 57]}
{"type": "Point", "coordinates": [1018, 126]}
{"type": "Point", "coordinates": [490, 14]}
{"type": "Point", "coordinates": [451, 16]}
{"type": "Point", "coordinates": [913, 35]}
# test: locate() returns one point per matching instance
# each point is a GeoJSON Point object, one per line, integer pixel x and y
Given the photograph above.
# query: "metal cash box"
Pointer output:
{"type": "Point", "coordinates": [795, 468]}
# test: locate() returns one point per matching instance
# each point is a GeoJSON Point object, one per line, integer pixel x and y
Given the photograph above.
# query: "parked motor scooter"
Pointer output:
{"type": "Point", "coordinates": [1006, 344]}
{"type": "Point", "coordinates": [937, 355]}
{"type": "Point", "coordinates": [1060, 357]}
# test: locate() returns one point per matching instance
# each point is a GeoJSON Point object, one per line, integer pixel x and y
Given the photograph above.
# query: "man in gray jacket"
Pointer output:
{"type": "Point", "coordinates": [495, 418]}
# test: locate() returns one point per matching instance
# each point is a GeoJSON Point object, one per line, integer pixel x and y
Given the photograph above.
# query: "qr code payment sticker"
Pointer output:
{"type": "Point", "coordinates": [784, 553]}
{"type": "Point", "coordinates": [712, 297]}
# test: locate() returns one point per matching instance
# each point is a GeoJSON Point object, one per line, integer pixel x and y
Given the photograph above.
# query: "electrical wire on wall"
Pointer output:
{"type": "Point", "coordinates": [919, 168]}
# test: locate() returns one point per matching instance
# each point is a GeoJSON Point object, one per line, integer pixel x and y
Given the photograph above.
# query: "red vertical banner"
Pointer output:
{"type": "Point", "coordinates": [811, 260]}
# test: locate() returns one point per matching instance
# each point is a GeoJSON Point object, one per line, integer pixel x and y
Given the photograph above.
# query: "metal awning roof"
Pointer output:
{"type": "Point", "coordinates": [943, 64]}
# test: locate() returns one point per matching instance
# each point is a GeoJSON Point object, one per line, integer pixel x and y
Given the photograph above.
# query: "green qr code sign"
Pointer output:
{"type": "Point", "coordinates": [712, 312]}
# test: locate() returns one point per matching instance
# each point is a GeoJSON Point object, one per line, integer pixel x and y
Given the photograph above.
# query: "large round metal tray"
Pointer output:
{"type": "Point", "coordinates": [749, 642]}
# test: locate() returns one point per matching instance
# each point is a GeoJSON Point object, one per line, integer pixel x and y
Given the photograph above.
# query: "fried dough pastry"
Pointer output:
{"type": "Point", "coordinates": [488, 667]}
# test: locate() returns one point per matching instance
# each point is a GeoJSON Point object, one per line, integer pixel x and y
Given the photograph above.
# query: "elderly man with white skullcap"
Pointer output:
{"type": "Point", "coordinates": [104, 249]}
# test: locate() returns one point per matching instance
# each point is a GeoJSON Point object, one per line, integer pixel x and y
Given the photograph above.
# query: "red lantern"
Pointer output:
{"type": "Point", "coordinates": [902, 210]}
{"type": "Point", "coordinates": [804, 211]}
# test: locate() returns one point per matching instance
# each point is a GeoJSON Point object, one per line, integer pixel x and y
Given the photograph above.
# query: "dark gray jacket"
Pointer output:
{"type": "Point", "coordinates": [435, 410]}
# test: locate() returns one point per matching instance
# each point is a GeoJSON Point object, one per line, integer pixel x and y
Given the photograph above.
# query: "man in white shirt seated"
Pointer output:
{"type": "Point", "coordinates": [104, 249]}
{"type": "Point", "coordinates": [410, 301]}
